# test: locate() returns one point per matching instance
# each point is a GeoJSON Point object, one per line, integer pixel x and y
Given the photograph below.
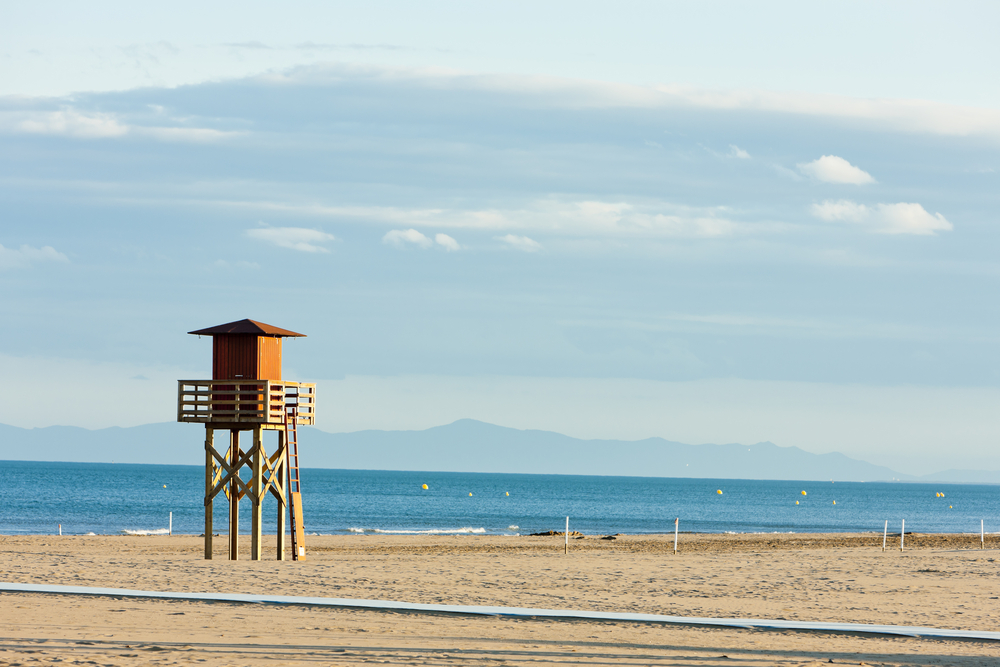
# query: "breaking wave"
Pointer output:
{"type": "Point", "coordinates": [431, 531]}
{"type": "Point", "coordinates": [154, 531]}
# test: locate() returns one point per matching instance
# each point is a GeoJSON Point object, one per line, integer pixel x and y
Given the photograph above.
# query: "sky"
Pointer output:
{"type": "Point", "coordinates": [708, 222]}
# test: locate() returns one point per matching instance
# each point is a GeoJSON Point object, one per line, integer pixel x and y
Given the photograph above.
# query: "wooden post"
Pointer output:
{"type": "Point", "coordinates": [982, 534]}
{"type": "Point", "coordinates": [256, 485]}
{"type": "Point", "coordinates": [209, 470]}
{"type": "Point", "coordinates": [281, 473]}
{"type": "Point", "coordinates": [234, 497]}
{"type": "Point", "coordinates": [885, 534]}
{"type": "Point", "coordinates": [677, 523]}
{"type": "Point", "coordinates": [566, 547]}
{"type": "Point", "coordinates": [295, 498]}
{"type": "Point", "coordinates": [902, 532]}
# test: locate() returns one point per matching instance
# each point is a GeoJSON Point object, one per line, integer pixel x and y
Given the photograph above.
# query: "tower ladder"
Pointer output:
{"type": "Point", "coordinates": [294, 483]}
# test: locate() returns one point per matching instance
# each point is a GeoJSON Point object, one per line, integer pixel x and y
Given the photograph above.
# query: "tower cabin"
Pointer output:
{"type": "Point", "coordinates": [247, 393]}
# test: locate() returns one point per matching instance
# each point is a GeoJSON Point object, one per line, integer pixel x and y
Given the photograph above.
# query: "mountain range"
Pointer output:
{"type": "Point", "coordinates": [468, 445]}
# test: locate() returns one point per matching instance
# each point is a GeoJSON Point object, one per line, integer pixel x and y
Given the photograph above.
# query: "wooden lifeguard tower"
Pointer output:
{"type": "Point", "coordinates": [247, 393]}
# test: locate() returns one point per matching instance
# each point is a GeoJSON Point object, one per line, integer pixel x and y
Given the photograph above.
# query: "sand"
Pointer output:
{"type": "Point", "coordinates": [939, 581]}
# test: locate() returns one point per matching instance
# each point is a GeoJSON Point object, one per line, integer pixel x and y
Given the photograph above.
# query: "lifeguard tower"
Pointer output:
{"type": "Point", "coordinates": [247, 393]}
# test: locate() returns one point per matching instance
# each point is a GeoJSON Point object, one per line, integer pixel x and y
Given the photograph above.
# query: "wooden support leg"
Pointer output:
{"type": "Point", "coordinates": [256, 499]}
{"type": "Point", "coordinates": [282, 474]}
{"type": "Point", "coordinates": [234, 498]}
{"type": "Point", "coordinates": [209, 470]}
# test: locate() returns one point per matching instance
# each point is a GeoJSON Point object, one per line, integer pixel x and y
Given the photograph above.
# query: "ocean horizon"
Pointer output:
{"type": "Point", "coordinates": [121, 498]}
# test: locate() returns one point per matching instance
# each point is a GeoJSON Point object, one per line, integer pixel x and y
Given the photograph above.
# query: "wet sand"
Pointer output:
{"type": "Point", "coordinates": [942, 581]}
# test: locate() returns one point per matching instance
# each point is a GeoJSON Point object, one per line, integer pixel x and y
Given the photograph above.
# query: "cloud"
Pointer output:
{"type": "Point", "coordinates": [833, 169]}
{"type": "Point", "coordinates": [447, 242]}
{"type": "Point", "coordinates": [520, 243]}
{"type": "Point", "coordinates": [586, 218]}
{"type": "Point", "coordinates": [26, 255]}
{"type": "Point", "coordinates": [894, 115]}
{"type": "Point", "coordinates": [293, 238]}
{"type": "Point", "coordinates": [737, 152]}
{"type": "Point", "coordinates": [402, 237]}
{"type": "Point", "coordinates": [901, 218]}
{"type": "Point", "coordinates": [70, 122]}
{"type": "Point", "coordinates": [186, 134]}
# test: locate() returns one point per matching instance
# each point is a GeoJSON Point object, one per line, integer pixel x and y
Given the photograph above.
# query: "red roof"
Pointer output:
{"type": "Point", "coordinates": [251, 327]}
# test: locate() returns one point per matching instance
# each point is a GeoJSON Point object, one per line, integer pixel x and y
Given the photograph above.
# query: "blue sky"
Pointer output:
{"type": "Point", "coordinates": [713, 223]}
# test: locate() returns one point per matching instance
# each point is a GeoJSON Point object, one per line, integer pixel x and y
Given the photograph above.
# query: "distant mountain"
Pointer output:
{"type": "Point", "coordinates": [170, 443]}
{"type": "Point", "coordinates": [473, 446]}
{"type": "Point", "coordinates": [469, 446]}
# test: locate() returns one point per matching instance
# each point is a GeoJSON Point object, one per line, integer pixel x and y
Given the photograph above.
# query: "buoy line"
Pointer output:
{"type": "Point", "coordinates": [518, 612]}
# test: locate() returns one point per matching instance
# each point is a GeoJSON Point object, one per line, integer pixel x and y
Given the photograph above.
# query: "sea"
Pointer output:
{"type": "Point", "coordinates": [120, 499]}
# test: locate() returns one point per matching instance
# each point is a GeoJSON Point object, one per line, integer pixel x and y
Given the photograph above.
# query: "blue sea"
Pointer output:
{"type": "Point", "coordinates": [109, 499]}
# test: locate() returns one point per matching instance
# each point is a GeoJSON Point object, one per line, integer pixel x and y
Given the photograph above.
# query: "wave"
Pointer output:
{"type": "Point", "coordinates": [154, 531]}
{"type": "Point", "coordinates": [430, 531]}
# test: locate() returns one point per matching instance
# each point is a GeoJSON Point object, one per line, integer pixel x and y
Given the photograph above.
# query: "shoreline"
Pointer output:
{"type": "Point", "coordinates": [619, 542]}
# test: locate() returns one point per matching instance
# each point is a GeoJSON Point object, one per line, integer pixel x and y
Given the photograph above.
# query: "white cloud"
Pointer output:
{"type": "Point", "coordinates": [188, 134]}
{"type": "Point", "coordinates": [737, 152]}
{"type": "Point", "coordinates": [74, 124]}
{"type": "Point", "coordinates": [895, 115]}
{"type": "Point", "coordinates": [27, 255]}
{"type": "Point", "coordinates": [447, 242]}
{"type": "Point", "coordinates": [843, 210]}
{"type": "Point", "coordinates": [833, 169]}
{"type": "Point", "coordinates": [293, 238]}
{"type": "Point", "coordinates": [551, 216]}
{"type": "Point", "coordinates": [901, 218]}
{"type": "Point", "coordinates": [520, 242]}
{"type": "Point", "coordinates": [402, 237]}
{"type": "Point", "coordinates": [69, 122]}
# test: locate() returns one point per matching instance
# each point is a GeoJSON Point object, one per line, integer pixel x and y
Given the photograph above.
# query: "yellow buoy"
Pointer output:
{"type": "Point", "coordinates": [804, 493]}
{"type": "Point", "coordinates": [719, 491]}
{"type": "Point", "coordinates": [424, 487]}
{"type": "Point", "coordinates": [834, 502]}
{"type": "Point", "coordinates": [164, 486]}
{"type": "Point", "coordinates": [470, 493]}
{"type": "Point", "coordinates": [508, 493]}
{"type": "Point", "coordinates": [796, 502]}
{"type": "Point", "coordinates": [949, 506]}
{"type": "Point", "coordinates": [942, 494]}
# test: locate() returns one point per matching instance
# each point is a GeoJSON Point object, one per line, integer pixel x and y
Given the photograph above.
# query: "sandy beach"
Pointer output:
{"type": "Point", "coordinates": [942, 581]}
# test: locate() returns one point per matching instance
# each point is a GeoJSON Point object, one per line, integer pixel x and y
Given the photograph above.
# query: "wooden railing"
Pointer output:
{"type": "Point", "coordinates": [253, 401]}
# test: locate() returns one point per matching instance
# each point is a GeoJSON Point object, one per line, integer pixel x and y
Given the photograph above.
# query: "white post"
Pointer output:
{"type": "Point", "coordinates": [60, 529]}
{"type": "Point", "coordinates": [982, 534]}
{"type": "Point", "coordinates": [885, 534]}
{"type": "Point", "coordinates": [902, 531]}
{"type": "Point", "coordinates": [566, 548]}
{"type": "Point", "coordinates": [170, 526]}
{"type": "Point", "coordinates": [676, 523]}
